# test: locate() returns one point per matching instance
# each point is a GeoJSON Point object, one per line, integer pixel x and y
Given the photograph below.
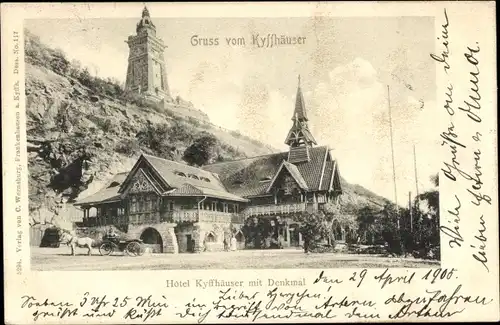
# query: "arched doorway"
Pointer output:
{"type": "Point", "coordinates": [337, 231]}
{"type": "Point", "coordinates": [152, 238]}
{"type": "Point", "coordinates": [240, 240]}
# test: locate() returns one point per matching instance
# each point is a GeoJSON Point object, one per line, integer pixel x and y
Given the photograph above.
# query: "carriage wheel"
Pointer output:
{"type": "Point", "coordinates": [141, 250]}
{"type": "Point", "coordinates": [106, 249]}
{"type": "Point", "coordinates": [134, 249]}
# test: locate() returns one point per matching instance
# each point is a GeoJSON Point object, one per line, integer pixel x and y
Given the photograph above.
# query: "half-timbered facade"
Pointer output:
{"type": "Point", "coordinates": [181, 208]}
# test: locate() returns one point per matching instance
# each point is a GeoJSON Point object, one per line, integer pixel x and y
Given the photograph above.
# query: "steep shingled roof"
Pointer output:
{"type": "Point", "coordinates": [108, 194]}
{"type": "Point", "coordinates": [300, 106]}
{"type": "Point", "coordinates": [182, 180]}
{"type": "Point", "coordinates": [244, 177]}
{"type": "Point", "coordinates": [172, 171]}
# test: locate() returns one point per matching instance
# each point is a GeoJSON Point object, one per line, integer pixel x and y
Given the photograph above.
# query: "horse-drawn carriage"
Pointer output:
{"type": "Point", "coordinates": [133, 247]}
{"type": "Point", "coordinates": [110, 244]}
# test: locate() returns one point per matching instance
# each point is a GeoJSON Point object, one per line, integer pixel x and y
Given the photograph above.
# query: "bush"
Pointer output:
{"type": "Point", "coordinates": [105, 124]}
{"type": "Point", "coordinates": [128, 147]}
{"type": "Point", "coordinates": [203, 150]}
{"type": "Point", "coordinates": [322, 248]}
{"type": "Point", "coordinates": [193, 121]}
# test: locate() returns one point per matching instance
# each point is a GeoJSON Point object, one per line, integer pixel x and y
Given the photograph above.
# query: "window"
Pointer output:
{"type": "Point", "coordinates": [140, 201]}
{"type": "Point", "coordinates": [193, 176]}
{"type": "Point", "coordinates": [171, 206]}
{"type": "Point", "coordinates": [265, 179]}
{"type": "Point", "coordinates": [205, 179]}
{"type": "Point", "coordinates": [144, 203]}
{"type": "Point", "coordinates": [133, 204]}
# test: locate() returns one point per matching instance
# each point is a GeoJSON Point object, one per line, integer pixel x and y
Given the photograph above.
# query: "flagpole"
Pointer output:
{"type": "Point", "coordinates": [392, 154]}
{"type": "Point", "coordinates": [415, 166]}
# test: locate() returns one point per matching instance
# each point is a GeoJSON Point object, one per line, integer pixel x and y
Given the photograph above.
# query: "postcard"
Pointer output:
{"type": "Point", "coordinates": [249, 162]}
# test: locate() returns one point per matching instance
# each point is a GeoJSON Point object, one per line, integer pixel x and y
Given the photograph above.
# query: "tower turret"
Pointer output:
{"type": "Point", "coordinates": [299, 138]}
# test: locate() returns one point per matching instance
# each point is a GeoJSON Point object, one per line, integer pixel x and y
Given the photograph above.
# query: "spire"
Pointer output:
{"type": "Point", "coordinates": [299, 135]}
{"type": "Point", "coordinates": [300, 107]}
{"type": "Point", "coordinates": [145, 12]}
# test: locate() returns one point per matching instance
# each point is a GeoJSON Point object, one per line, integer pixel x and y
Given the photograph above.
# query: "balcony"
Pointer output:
{"type": "Point", "coordinates": [199, 216]}
{"type": "Point", "coordinates": [260, 210]}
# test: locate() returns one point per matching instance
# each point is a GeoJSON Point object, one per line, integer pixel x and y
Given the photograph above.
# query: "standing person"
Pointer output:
{"type": "Point", "coordinates": [306, 244]}
{"type": "Point", "coordinates": [233, 243]}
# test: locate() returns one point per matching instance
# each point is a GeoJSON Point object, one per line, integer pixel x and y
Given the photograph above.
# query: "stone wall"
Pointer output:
{"type": "Point", "coordinates": [200, 233]}
{"type": "Point", "coordinates": [181, 233]}
{"type": "Point", "coordinates": [166, 231]}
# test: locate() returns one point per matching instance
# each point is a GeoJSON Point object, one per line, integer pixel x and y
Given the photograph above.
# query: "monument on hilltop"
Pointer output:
{"type": "Point", "coordinates": [146, 73]}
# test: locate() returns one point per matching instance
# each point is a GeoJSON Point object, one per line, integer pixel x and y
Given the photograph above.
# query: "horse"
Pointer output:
{"type": "Point", "coordinates": [74, 241]}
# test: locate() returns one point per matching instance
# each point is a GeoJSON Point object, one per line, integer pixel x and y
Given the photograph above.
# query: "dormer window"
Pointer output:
{"type": "Point", "coordinates": [205, 179]}
{"type": "Point", "coordinates": [265, 179]}
{"type": "Point", "coordinates": [181, 174]}
{"type": "Point", "coordinates": [193, 176]}
{"type": "Point", "coordinates": [113, 184]}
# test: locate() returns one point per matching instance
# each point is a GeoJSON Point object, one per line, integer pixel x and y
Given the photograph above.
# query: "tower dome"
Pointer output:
{"type": "Point", "coordinates": [145, 23]}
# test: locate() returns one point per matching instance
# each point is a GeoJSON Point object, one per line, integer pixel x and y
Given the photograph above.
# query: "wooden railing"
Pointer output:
{"type": "Point", "coordinates": [259, 210]}
{"type": "Point", "coordinates": [141, 218]}
{"type": "Point", "coordinates": [200, 216]}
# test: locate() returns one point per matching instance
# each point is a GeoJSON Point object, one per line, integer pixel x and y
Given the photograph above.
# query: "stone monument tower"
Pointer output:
{"type": "Point", "coordinates": [146, 73]}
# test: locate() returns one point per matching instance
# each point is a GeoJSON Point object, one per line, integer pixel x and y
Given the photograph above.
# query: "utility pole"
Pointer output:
{"type": "Point", "coordinates": [392, 154]}
{"type": "Point", "coordinates": [415, 166]}
{"type": "Point", "coordinates": [411, 211]}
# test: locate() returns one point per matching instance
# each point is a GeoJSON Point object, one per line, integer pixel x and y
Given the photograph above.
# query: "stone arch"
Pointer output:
{"type": "Point", "coordinates": [152, 237]}
{"type": "Point", "coordinates": [210, 237]}
{"type": "Point", "coordinates": [166, 231]}
{"type": "Point", "coordinates": [240, 239]}
{"type": "Point", "coordinates": [92, 212]}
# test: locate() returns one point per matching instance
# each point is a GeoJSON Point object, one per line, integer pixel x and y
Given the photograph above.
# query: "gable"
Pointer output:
{"type": "Point", "coordinates": [142, 183]}
{"type": "Point", "coordinates": [287, 178]}
{"type": "Point", "coordinates": [150, 173]}
{"type": "Point", "coordinates": [335, 184]}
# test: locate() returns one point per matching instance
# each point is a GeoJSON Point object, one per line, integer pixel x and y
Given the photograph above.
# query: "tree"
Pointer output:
{"type": "Point", "coordinates": [314, 228]}
{"type": "Point", "coordinates": [59, 63]}
{"type": "Point", "coordinates": [390, 222]}
{"type": "Point", "coordinates": [369, 225]}
{"type": "Point", "coordinates": [343, 214]}
{"type": "Point", "coordinates": [85, 78]}
{"type": "Point", "coordinates": [426, 220]}
{"type": "Point", "coordinates": [203, 150]}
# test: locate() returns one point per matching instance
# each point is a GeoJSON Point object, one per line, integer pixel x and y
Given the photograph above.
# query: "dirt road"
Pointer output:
{"type": "Point", "coordinates": [47, 259]}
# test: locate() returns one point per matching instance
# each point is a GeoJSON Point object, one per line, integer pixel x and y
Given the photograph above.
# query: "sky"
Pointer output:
{"type": "Point", "coordinates": [346, 66]}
